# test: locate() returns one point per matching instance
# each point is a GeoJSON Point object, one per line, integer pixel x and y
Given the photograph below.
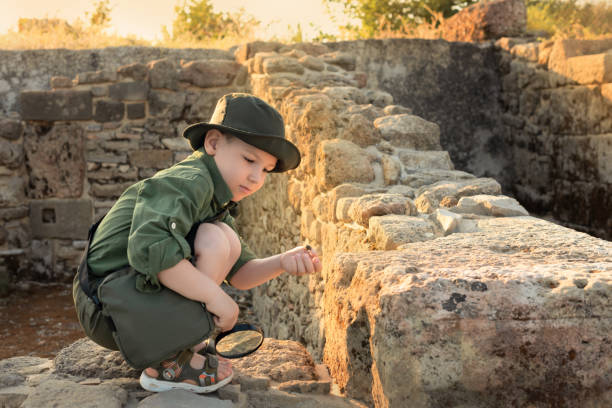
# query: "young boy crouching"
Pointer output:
{"type": "Point", "coordinates": [175, 229]}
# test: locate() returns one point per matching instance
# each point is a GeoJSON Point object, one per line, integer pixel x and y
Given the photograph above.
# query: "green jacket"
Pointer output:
{"type": "Point", "coordinates": [146, 227]}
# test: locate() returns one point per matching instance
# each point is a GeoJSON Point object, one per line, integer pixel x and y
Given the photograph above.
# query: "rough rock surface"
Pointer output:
{"type": "Point", "coordinates": [516, 312]}
{"type": "Point", "coordinates": [280, 374]}
{"type": "Point", "coordinates": [487, 20]}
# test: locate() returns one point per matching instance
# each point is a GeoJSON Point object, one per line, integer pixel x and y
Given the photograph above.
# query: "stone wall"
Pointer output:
{"type": "Point", "coordinates": [70, 150]}
{"type": "Point", "coordinates": [557, 102]}
{"type": "Point", "coordinates": [436, 290]}
{"type": "Point", "coordinates": [539, 127]}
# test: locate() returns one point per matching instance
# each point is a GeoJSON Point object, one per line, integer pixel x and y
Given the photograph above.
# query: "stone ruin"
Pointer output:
{"type": "Point", "coordinates": [437, 289]}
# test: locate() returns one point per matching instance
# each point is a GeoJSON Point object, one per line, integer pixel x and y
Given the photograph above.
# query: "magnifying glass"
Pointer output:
{"type": "Point", "coordinates": [242, 340]}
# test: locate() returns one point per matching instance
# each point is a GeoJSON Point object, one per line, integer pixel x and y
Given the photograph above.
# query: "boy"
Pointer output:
{"type": "Point", "coordinates": [176, 231]}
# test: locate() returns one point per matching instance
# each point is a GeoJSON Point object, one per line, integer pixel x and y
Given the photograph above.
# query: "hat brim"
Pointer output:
{"type": "Point", "coordinates": [287, 153]}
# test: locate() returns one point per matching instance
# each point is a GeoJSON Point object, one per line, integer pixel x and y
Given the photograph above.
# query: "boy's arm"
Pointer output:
{"type": "Point", "coordinates": [186, 280]}
{"type": "Point", "coordinates": [297, 261]}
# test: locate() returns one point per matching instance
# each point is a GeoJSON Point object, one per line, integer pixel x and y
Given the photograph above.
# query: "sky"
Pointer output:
{"type": "Point", "coordinates": [144, 18]}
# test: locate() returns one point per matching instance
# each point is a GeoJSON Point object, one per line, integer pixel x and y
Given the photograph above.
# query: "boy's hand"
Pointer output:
{"type": "Point", "coordinates": [224, 310]}
{"type": "Point", "coordinates": [301, 260]}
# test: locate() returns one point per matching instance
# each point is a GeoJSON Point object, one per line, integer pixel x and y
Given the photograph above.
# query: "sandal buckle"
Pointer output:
{"type": "Point", "coordinates": [169, 374]}
{"type": "Point", "coordinates": [211, 377]}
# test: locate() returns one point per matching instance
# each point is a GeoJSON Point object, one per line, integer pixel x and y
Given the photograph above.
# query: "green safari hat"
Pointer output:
{"type": "Point", "coordinates": [254, 122]}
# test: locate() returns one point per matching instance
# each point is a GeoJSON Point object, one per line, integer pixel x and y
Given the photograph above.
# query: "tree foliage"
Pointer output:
{"type": "Point", "coordinates": [101, 14]}
{"type": "Point", "coordinates": [197, 20]}
{"type": "Point", "coordinates": [569, 18]}
{"type": "Point", "coordinates": [395, 15]}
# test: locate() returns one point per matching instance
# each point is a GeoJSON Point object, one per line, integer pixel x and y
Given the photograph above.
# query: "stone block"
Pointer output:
{"type": "Point", "coordinates": [527, 51]}
{"type": "Point", "coordinates": [136, 110]}
{"type": "Point", "coordinates": [154, 159]}
{"type": "Point", "coordinates": [61, 218]}
{"type": "Point", "coordinates": [377, 97]}
{"type": "Point", "coordinates": [229, 392]}
{"type": "Point", "coordinates": [414, 159]}
{"type": "Point", "coordinates": [493, 292]}
{"type": "Point", "coordinates": [430, 197]}
{"type": "Point", "coordinates": [182, 398]}
{"type": "Point", "coordinates": [388, 232]}
{"type": "Point", "coordinates": [209, 73]}
{"type": "Point", "coordinates": [497, 206]}
{"type": "Point", "coordinates": [361, 131]}
{"type": "Point", "coordinates": [109, 191]}
{"type": "Point", "coordinates": [11, 154]}
{"type": "Point", "coordinates": [274, 65]}
{"type": "Point", "coordinates": [168, 105]}
{"type": "Point", "coordinates": [109, 111]}
{"type": "Point", "coordinates": [590, 69]}
{"type": "Point", "coordinates": [347, 93]}
{"type": "Point", "coordinates": [55, 105]}
{"type": "Point", "coordinates": [487, 20]}
{"type": "Point", "coordinates": [11, 129]}
{"type": "Point", "coordinates": [370, 205]}
{"type": "Point", "coordinates": [448, 221]}
{"type": "Point", "coordinates": [60, 82]}
{"type": "Point", "coordinates": [137, 71]}
{"type": "Point", "coordinates": [55, 161]}
{"type": "Point", "coordinates": [339, 161]}
{"type": "Point", "coordinates": [341, 59]}
{"type": "Point", "coordinates": [129, 91]}
{"type": "Point", "coordinates": [568, 48]}
{"type": "Point", "coordinates": [96, 77]}
{"type": "Point", "coordinates": [12, 191]}
{"type": "Point", "coordinates": [409, 131]}
{"type": "Point", "coordinates": [248, 50]}
{"type": "Point", "coordinates": [312, 63]}
{"type": "Point", "coordinates": [163, 74]}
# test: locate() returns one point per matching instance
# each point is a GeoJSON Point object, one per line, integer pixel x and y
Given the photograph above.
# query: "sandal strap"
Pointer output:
{"type": "Point", "coordinates": [204, 376]}
{"type": "Point", "coordinates": [171, 370]}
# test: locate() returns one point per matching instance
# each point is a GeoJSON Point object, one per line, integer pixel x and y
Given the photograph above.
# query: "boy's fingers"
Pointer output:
{"type": "Point", "coordinates": [309, 265]}
{"type": "Point", "coordinates": [300, 265]}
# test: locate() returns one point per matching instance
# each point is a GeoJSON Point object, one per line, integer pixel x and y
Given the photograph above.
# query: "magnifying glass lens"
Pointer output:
{"type": "Point", "coordinates": [242, 340]}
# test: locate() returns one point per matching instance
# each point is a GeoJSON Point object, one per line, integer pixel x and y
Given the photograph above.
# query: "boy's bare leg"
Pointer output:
{"type": "Point", "coordinates": [217, 249]}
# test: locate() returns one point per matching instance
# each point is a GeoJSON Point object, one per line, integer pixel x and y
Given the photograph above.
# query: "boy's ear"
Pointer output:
{"type": "Point", "coordinates": [211, 141]}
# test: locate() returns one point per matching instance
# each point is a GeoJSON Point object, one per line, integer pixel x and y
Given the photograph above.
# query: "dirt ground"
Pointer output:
{"type": "Point", "coordinates": [38, 320]}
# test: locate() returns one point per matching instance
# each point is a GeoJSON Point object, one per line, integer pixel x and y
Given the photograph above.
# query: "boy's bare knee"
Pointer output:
{"type": "Point", "coordinates": [211, 240]}
{"type": "Point", "coordinates": [233, 241]}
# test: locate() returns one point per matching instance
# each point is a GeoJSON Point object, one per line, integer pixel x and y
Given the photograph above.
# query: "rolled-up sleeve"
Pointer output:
{"type": "Point", "coordinates": [166, 207]}
{"type": "Point", "coordinates": [246, 254]}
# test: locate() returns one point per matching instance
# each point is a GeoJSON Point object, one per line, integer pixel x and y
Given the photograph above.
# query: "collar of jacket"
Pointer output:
{"type": "Point", "coordinates": [222, 193]}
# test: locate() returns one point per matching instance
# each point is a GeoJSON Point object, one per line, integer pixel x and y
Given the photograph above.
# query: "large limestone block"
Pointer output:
{"type": "Point", "coordinates": [182, 399]}
{"type": "Point", "coordinates": [487, 20]}
{"type": "Point", "coordinates": [340, 161]}
{"type": "Point", "coordinates": [516, 313]}
{"type": "Point", "coordinates": [390, 231]}
{"type": "Point", "coordinates": [497, 206]}
{"type": "Point", "coordinates": [370, 205]}
{"type": "Point", "coordinates": [12, 191]}
{"type": "Point", "coordinates": [590, 69]}
{"type": "Point", "coordinates": [562, 50]}
{"type": "Point", "coordinates": [409, 131]}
